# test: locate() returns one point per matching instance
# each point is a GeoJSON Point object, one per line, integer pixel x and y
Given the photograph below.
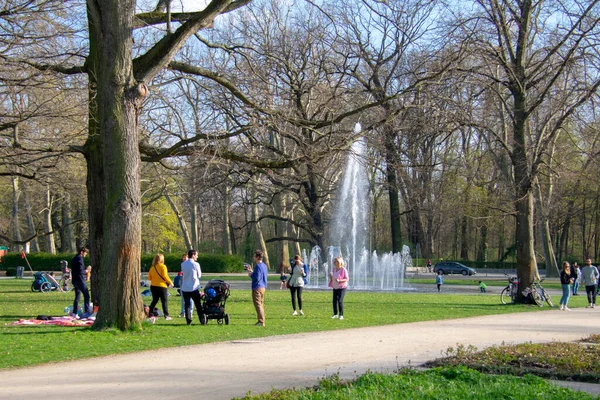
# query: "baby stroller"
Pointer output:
{"type": "Point", "coordinates": [216, 293]}
{"type": "Point", "coordinates": [41, 283]}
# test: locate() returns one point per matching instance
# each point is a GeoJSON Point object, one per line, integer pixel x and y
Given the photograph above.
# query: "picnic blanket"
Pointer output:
{"type": "Point", "coordinates": [59, 321]}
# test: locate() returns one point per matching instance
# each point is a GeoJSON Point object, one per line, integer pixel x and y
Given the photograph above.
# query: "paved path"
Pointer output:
{"type": "Point", "coordinates": [231, 369]}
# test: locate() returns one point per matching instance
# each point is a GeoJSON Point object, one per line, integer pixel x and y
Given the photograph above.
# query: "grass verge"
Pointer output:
{"type": "Point", "coordinates": [449, 383]}
{"type": "Point", "coordinates": [562, 361]}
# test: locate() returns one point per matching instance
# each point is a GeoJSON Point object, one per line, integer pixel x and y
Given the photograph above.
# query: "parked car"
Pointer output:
{"type": "Point", "coordinates": [452, 267]}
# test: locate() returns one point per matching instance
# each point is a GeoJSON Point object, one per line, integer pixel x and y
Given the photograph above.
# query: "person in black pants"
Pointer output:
{"type": "Point", "coordinates": [297, 284]}
{"type": "Point", "coordinates": [78, 278]}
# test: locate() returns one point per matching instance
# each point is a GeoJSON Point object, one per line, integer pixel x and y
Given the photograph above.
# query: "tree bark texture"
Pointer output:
{"type": "Point", "coordinates": [49, 237]}
{"type": "Point", "coordinates": [119, 98]}
{"type": "Point", "coordinates": [16, 195]}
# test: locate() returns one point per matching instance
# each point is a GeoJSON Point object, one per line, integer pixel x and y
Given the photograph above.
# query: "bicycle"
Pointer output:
{"type": "Point", "coordinates": [509, 293]}
{"type": "Point", "coordinates": [539, 294]}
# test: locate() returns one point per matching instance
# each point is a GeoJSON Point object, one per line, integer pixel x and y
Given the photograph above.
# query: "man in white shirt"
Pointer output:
{"type": "Point", "coordinates": [190, 285]}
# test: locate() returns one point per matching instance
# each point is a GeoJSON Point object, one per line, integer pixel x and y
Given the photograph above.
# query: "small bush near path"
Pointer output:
{"type": "Point", "coordinates": [557, 360]}
{"type": "Point", "coordinates": [448, 383]}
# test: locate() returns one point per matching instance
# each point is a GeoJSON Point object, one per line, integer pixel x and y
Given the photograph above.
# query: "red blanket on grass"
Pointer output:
{"type": "Point", "coordinates": [60, 321]}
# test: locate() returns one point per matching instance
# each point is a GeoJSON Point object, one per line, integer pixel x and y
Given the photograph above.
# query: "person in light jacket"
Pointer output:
{"type": "Point", "coordinates": [297, 284]}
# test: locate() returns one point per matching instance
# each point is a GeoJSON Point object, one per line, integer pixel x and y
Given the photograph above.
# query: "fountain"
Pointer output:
{"type": "Point", "coordinates": [367, 270]}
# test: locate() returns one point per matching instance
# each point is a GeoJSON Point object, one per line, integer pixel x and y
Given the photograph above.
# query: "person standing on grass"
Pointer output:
{"type": "Point", "coordinates": [259, 285]}
{"type": "Point", "coordinates": [338, 281]}
{"type": "Point", "coordinates": [577, 278]}
{"type": "Point", "coordinates": [184, 258]}
{"type": "Point", "coordinates": [566, 279]}
{"type": "Point", "coordinates": [297, 284]}
{"type": "Point", "coordinates": [159, 284]}
{"type": "Point", "coordinates": [439, 281]}
{"type": "Point", "coordinates": [78, 275]}
{"type": "Point", "coordinates": [190, 286]}
{"type": "Point", "coordinates": [589, 275]}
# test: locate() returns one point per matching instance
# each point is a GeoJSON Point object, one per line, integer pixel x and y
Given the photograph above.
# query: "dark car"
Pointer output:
{"type": "Point", "coordinates": [452, 267]}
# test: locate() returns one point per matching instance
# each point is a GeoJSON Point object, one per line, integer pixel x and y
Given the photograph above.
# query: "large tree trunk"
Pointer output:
{"type": "Point", "coordinates": [524, 234]}
{"type": "Point", "coordinates": [392, 187]}
{"type": "Point", "coordinates": [119, 98]}
{"type": "Point", "coordinates": [281, 230]}
{"type": "Point", "coordinates": [33, 247]}
{"type": "Point", "coordinates": [95, 184]}
{"type": "Point", "coordinates": [227, 248]}
{"type": "Point", "coordinates": [182, 224]}
{"type": "Point", "coordinates": [16, 194]}
{"type": "Point", "coordinates": [67, 238]}
{"type": "Point", "coordinates": [258, 231]}
{"type": "Point", "coordinates": [49, 237]}
{"type": "Point", "coordinates": [545, 239]}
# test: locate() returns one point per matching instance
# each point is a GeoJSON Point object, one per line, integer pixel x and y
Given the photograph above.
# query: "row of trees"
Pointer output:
{"type": "Point", "coordinates": [229, 127]}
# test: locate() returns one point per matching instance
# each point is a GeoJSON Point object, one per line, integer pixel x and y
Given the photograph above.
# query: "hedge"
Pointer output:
{"type": "Point", "coordinates": [216, 263]}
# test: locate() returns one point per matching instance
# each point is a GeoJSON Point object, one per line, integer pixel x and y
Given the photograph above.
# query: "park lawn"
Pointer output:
{"type": "Point", "coordinates": [30, 345]}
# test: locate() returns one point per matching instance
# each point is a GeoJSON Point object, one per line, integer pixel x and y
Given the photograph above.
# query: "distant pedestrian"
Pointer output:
{"type": "Point", "coordinates": [439, 281]}
{"type": "Point", "coordinates": [259, 285]}
{"type": "Point", "coordinates": [566, 279]}
{"type": "Point", "coordinates": [577, 276]}
{"type": "Point", "coordinates": [78, 278]}
{"type": "Point", "coordinates": [338, 281]}
{"type": "Point", "coordinates": [282, 276]}
{"type": "Point", "coordinates": [428, 265]}
{"type": "Point", "coordinates": [589, 275]}
{"type": "Point", "coordinates": [482, 287]}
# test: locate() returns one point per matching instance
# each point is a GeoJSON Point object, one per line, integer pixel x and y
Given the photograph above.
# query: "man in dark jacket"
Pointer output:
{"type": "Point", "coordinates": [78, 277]}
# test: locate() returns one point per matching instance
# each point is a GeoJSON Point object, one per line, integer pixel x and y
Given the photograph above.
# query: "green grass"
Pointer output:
{"type": "Point", "coordinates": [449, 383]}
{"type": "Point", "coordinates": [30, 345]}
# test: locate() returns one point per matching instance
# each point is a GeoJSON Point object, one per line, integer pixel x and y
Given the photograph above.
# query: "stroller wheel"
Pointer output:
{"type": "Point", "coordinates": [203, 319]}
{"type": "Point", "coordinates": [32, 288]}
{"type": "Point", "coordinates": [46, 287]}
{"type": "Point", "coordinates": [226, 319]}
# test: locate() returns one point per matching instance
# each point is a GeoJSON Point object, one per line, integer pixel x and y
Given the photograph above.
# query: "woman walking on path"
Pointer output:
{"type": "Point", "coordinates": [338, 280]}
{"type": "Point", "coordinates": [297, 284]}
{"type": "Point", "coordinates": [159, 282]}
{"type": "Point", "coordinates": [566, 279]}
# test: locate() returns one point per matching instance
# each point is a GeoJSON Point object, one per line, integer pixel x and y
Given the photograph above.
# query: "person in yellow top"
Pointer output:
{"type": "Point", "coordinates": [159, 284]}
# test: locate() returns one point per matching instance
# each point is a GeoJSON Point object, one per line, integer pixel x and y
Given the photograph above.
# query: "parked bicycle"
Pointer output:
{"type": "Point", "coordinates": [509, 293]}
{"type": "Point", "coordinates": [538, 294]}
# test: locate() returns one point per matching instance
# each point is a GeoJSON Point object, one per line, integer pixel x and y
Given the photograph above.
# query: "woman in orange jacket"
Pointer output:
{"type": "Point", "coordinates": [159, 284]}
